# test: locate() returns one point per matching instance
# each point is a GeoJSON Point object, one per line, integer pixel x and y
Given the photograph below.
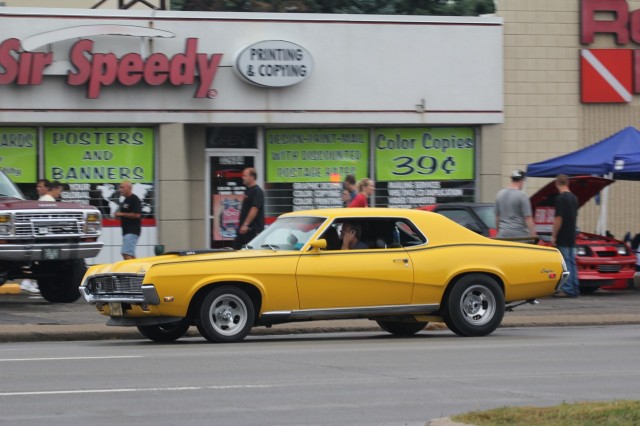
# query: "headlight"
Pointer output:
{"type": "Point", "coordinates": [582, 251]}
{"type": "Point", "coordinates": [622, 250]}
{"type": "Point", "coordinates": [6, 224]}
{"type": "Point", "coordinates": [93, 223]}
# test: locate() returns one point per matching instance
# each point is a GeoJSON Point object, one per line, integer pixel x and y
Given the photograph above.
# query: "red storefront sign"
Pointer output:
{"type": "Point", "coordinates": [609, 75]}
{"type": "Point", "coordinates": [98, 70]}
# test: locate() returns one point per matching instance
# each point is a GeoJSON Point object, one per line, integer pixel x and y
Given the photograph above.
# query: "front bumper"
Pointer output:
{"type": "Point", "coordinates": [49, 251]}
{"type": "Point", "coordinates": [149, 296]}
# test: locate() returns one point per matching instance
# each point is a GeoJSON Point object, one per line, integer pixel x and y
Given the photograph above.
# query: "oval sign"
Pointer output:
{"type": "Point", "coordinates": [274, 63]}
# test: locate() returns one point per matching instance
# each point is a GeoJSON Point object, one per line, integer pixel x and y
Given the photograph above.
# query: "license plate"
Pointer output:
{"type": "Point", "coordinates": [115, 309]}
{"type": "Point", "coordinates": [51, 253]}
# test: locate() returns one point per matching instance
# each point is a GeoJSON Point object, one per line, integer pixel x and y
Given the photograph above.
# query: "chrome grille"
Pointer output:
{"type": "Point", "coordinates": [48, 224]}
{"type": "Point", "coordinates": [115, 284]}
{"type": "Point", "coordinates": [609, 268]}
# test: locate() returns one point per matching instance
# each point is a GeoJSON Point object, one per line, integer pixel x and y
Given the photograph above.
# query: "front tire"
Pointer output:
{"type": "Point", "coordinates": [226, 315]}
{"type": "Point", "coordinates": [165, 332]}
{"type": "Point", "coordinates": [475, 306]}
{"type": "Point", "coordinates": [401, 328]}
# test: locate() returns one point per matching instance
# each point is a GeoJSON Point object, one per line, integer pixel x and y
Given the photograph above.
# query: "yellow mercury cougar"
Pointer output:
{"type": "Point", "coordinates": [410, 267]}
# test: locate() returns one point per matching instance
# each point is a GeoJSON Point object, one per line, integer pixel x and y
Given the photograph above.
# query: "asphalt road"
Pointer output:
{"type": "Point", "coordinates": [355, 378]}
{"type": "Point", "coordinates": [26, 317]}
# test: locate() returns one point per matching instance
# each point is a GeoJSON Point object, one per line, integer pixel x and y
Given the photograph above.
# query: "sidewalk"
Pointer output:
{"type": "Point", "coordinates": [27, 317]}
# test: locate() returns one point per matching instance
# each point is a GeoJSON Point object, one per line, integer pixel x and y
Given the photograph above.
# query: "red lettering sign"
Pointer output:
{"type": "Point", "coordinates": [618, 21]}
{"type": "Point", "coordinates": [24, 68]}
{"type": "Point", "coordinates": [98, 70]}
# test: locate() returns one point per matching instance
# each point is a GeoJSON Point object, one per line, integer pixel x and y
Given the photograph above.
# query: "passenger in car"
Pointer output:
{"type": "Point", "coordinates": [351, 234]}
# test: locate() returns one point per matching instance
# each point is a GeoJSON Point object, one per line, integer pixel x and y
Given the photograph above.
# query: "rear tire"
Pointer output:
{"type": "Point", "coordinates": [165, 332]}
{"type": "Point", "coordinates": [61, 280]}
{"type": "Point", "coordinates": [401, 328]}
{"type": "Point", "coordinates": [475, 306]}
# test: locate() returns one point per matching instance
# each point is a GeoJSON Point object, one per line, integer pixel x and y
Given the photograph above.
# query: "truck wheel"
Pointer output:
{"type": "Point", "coordinates": [61, 281]}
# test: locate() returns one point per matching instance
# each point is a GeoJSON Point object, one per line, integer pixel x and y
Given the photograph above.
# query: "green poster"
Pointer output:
{"type": "Point", "coordinates": [439, 153]}
{"type": "Point", "coordinates": [316, 155]}
{"type": "Point", "coordinates": [99, 154]}
{"type": "Point", "coordinates": [19, 153]}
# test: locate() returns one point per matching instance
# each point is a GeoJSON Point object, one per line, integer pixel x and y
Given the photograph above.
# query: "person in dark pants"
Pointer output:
{"type": "Point", "coordinates": [129, 214]}
{"type": "Point", "coordinates": [252, 210]}
{"type": "Point", "coordinates": [563, 235]}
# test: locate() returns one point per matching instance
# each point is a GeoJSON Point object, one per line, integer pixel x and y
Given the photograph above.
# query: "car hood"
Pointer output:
{"type": "Point", "coordinates": [142, 265]}
{"type": "Point", "coordinates": [584, 188]}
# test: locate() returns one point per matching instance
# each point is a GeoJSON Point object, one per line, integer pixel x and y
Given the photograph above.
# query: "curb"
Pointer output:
{"type": "Point", "coordinates": [71, 332]}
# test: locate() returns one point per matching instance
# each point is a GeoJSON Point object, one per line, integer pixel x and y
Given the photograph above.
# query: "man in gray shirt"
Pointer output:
{"type": "Point", "coordinates": [513, 210]}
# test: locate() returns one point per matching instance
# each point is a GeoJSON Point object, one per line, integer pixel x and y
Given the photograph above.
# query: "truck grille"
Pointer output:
{"type": "Point", "coordinates": [115, 284]}
{"type": "Point", "coordinates": [609, 268]}
{"type": "Point", "coordinates": [48, 224]}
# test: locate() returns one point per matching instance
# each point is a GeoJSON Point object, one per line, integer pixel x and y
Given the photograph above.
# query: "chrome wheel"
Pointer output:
{"type": "Point", "coordinates": [228, 314]}
{"type": "Point", "coordinates": [478, 305]}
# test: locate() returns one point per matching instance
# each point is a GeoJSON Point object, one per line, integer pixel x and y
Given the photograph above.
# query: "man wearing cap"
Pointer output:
{"type": "Point", "coordinates": [513, 210]}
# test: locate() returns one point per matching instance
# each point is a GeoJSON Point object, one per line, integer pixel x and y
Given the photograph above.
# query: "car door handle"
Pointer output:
{"type": "Point", "coordinates": [405, 261]}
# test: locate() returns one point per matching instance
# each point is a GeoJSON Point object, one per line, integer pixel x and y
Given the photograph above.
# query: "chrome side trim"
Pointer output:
{"type": "Point", "coordinates": [351, 312]}
{"type": "Point", "coordinates": [128, 322]}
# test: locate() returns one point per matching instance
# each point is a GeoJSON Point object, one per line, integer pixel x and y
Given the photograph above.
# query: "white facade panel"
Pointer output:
{"type": "Point", "coordinates": [367, 69]}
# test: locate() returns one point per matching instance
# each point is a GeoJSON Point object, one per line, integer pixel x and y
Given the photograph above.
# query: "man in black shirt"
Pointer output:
{"type": "Point", "coordinates": [252, 211]}
{"type": "Point", "coordinates": [564, 234]}
{"type": "Point", "coordinates": [130, 212]}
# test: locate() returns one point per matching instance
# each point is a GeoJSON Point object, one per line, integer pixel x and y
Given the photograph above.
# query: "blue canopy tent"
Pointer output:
{"type": "Point", "coordinates": [615, 157]}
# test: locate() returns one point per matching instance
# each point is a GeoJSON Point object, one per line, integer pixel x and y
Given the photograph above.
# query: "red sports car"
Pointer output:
{"type": "Point", "coordinates": [603, 262]}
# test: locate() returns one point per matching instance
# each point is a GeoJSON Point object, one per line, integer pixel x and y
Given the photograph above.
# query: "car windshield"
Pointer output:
{"type": "Point", "coordinates": [487, 214]}
{"type": "Point", "coordinates": [286, 233]}
{"type": "Point", "coordinates": [8, 189]}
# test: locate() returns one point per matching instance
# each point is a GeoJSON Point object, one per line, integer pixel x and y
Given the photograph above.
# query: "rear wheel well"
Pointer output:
{"type": "Point", "coordinates": [196, 301]}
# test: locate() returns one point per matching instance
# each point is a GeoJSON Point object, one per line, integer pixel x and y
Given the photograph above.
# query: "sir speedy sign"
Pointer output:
{"type": "Point", "coordinates": [99, 70]}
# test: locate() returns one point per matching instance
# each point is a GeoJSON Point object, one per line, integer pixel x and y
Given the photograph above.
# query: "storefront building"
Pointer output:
{"type": "Point", "coordinates": [179, 103]}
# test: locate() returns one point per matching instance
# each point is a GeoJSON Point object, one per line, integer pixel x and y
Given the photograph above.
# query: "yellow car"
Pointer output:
{"type": "Point", "coordinates": [401, 268]}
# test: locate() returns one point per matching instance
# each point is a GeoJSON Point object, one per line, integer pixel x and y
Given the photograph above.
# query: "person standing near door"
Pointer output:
{"type": "Point", "coordinates": [252, 210]}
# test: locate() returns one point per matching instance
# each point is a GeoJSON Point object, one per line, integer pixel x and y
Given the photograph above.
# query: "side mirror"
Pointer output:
{"type": "Point", "coordinates": [318, 245]}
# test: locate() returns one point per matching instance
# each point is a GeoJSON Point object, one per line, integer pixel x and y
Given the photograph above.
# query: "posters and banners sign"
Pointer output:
{"type": "Point", "coordinates": [19, 153]}
{"type": "Point", "coordinates": [92, 161]}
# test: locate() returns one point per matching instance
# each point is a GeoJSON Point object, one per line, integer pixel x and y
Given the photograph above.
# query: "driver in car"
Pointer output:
{"type": "Point", "coordinates": [351, 234]}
